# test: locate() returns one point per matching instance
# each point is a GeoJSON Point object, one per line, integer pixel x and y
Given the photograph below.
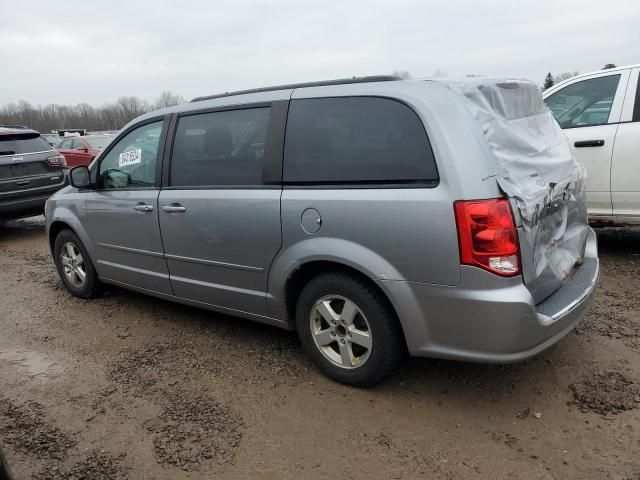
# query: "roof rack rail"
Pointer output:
{"type": "Point", "coordinates": [15, 127]}
{"type": "Point", "coordinates": [340, 81]}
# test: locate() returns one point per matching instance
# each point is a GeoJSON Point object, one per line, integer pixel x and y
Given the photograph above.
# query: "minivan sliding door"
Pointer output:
{"type": "Point", "coordinates": [220, 221]}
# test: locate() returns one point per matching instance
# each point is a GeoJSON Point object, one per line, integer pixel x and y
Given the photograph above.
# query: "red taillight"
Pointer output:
{"type": "Point", "coordinates": [488, 236]}
{"type": "Point", "coordinates": [57, 161]}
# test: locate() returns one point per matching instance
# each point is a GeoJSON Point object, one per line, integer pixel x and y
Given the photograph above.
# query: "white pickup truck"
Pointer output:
{"type": "Point", "coordinates": [600, 115]}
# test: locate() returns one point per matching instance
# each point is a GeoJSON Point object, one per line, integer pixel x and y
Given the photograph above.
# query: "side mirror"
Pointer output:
{"type": "Point", "coordinates": [79, 177]}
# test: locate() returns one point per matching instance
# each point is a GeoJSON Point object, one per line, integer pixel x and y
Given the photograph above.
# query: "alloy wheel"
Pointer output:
{"type": "Point", "coordinates": [341, 331]}
{"type": "Point", "coordinates": [73, 264]}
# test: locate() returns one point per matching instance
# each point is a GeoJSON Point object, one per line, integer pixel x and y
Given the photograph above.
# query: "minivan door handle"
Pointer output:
{"type": "Point", "coordinates": [175, 208]}
{"type": "Point", "coordinates": [589, 143]}
{"type": "Point", "coordinates": [143, 207]}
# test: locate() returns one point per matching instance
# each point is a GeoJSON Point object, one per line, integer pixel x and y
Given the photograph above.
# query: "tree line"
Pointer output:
{"type": "Point", "coordinates": [550, 80]}
{"type": "Point", "coordinates": [111, 116]}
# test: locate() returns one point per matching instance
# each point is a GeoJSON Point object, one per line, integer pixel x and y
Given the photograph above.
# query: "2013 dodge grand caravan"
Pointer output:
{"type": "Point", "coordinates": [374, 216]}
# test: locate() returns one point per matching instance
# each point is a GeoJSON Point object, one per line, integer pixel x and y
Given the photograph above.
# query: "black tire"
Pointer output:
{"type": "Point", "coordinates": [388, 346]}
{"type": "Point", "coordinates": [89, 286]}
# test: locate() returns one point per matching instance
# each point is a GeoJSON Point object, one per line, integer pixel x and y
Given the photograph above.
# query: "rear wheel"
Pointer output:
{"type": "Point", "coordinates": [74, 266]}
{"type": "Point", "coordinates": [349, 329]}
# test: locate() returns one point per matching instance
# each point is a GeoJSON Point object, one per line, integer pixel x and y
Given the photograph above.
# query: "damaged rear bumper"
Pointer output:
{"type": "Point", "coordinates": [487, 318]}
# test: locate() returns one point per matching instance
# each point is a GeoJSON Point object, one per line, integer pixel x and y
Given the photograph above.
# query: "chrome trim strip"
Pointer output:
{"type": "Point", "coordinates": [25, 154]}
{"type": "Point", "coordinates": [131, 250]}
{"type": "Point", "coordinates": [217, 286]}
{"type": "Point", "coordinates": [49, 189]}
{"type": "Point", "coordinates": [179, 258]}
{"type": "Point", "coordinates": [213, 263]}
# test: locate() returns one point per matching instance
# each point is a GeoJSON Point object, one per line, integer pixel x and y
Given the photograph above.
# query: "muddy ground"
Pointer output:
{"type": "Point", "coordinates": [127, 386]}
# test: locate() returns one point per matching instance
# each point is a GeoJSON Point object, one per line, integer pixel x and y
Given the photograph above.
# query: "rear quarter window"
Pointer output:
{"type": "Point", "coordinates": [356, 140]}
{"type": "Point", "coordinates": [15, 146]}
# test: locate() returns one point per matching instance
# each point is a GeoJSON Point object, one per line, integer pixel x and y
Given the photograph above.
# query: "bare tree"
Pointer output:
{"type": "Point", "coordinates": [401, 74]}
{"type": "Point", "coordinates": [168, 99]}
{"type": "Point", "coordinates": [440, 73]}
{"type": "Point", "coordinates": [561, 77]}
{"type": "Point", "coordinates": [131, 107]}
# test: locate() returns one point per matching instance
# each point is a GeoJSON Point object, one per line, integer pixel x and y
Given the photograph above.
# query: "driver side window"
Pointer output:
{"type": "Point", "coordinates": [585, 103]}
{"type": "Point", "coordinates": [131, 163]}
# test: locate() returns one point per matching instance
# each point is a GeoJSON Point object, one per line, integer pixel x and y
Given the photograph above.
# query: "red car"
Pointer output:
{"type": "Point", "coordinates": [81, 150]}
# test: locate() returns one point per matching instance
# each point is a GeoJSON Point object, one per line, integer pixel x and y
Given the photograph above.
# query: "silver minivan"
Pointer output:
{"type": "Point", "coordinates": [374, 216]}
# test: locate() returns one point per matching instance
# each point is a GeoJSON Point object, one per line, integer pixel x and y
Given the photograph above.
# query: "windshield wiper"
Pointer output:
{"type": "Point", "coordinates": [7, 152]}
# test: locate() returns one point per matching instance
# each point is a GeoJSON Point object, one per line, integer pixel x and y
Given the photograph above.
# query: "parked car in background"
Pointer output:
{"type": "Point", "coordinates": [373, 216]}
{"type": "Point", "coordinates": [82, 150]}
{"type": "Point", "coordinates": [600, 114]}
{"type": "Point", "coordinates": [30, 171]}
{"type": "Point", "coordinates": [51, 138]}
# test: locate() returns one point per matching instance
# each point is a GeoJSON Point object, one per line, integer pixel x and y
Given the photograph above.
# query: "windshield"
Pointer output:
{"type": "Point", "coordinates": [98, 142]}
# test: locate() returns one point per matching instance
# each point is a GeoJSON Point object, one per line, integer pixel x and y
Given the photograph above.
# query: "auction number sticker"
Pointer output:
{"type": "Point", "coordinates": [130, 158]}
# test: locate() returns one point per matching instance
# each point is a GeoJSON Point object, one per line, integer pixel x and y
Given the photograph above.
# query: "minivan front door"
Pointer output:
{"type": "Point", "coordinates": [122, 213]}
{"type": "Point", "coordinates": [220, 223]}
{"type": "Point", "coordinates": [588, 110]}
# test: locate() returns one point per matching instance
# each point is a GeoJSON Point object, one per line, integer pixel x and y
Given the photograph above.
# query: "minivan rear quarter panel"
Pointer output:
{"type": "Point", "coordinates": [393, 232]}
{"type": "Point", "coordinates": [390, 233]}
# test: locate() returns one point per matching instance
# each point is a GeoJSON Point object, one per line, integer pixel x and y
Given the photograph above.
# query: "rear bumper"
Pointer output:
{"type": "Point", "coordinates": [28, 202]}
{"type": "Point", "coordinates": [490, 319]}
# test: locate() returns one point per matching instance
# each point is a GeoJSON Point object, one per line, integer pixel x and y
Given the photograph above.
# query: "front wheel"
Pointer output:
{"type": "Point", "coordinates": [74, 266]}
{"type": "Point", "coordinates": [349, 329]}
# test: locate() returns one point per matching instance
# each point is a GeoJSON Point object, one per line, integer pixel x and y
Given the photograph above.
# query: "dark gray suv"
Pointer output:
{"type": "Point", "coordinates": [30, 171]}
{"type": "Point", "coordinates": [373, 216]}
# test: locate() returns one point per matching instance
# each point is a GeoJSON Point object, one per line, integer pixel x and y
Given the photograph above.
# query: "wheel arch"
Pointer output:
{"type": "Point", "coordinates": [70, 222]}
{"type": "Point", "coordinates": [305, 272]}
{"type": "Point", "coordinates": [54, 230]}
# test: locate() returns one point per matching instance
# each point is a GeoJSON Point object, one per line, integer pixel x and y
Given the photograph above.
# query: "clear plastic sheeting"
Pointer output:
{"type": "Point", "coordinates": [537, 169]}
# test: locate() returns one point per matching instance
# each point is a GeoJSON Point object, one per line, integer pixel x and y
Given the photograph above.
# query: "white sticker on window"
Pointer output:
{"type": "Point", "coordinates": [130, 158]}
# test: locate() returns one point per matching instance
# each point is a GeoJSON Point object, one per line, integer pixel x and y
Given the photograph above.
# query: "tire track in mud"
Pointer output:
{"type": "Point", "coordinates": [26, 428]}
{"type": "Point", "coordinates": [95, 466]}
{"type": "Point", "coordinates": [193, 428]}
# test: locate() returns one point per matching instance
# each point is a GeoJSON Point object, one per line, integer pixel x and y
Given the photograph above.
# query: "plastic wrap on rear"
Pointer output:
{"type": "Point", "coordinates": [537, 169]}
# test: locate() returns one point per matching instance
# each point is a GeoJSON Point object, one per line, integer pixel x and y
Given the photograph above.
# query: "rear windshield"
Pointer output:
{"type": "Point", "coordinates": [98, 142]}
{"type": "Point", "coordinates": [16, 146]}
{"type": "Point", "coordinates": [356, 140]}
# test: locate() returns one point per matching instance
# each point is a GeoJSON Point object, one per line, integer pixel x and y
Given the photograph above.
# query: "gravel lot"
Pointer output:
{"type": "Point", "coordinates": [127, 386]}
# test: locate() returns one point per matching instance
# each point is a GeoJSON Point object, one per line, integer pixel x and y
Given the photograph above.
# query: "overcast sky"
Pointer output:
{"type": "Point", "coordinates": [71, 52]}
